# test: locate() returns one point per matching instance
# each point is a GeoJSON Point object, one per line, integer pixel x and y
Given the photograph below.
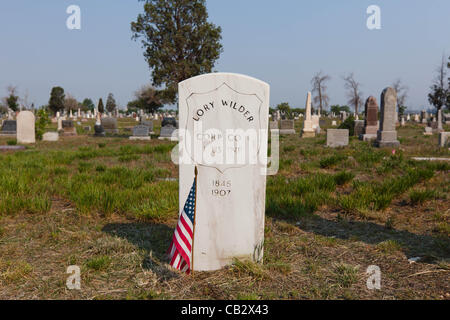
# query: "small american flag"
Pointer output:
{"type": "Point", "coordinates": [180, 250]}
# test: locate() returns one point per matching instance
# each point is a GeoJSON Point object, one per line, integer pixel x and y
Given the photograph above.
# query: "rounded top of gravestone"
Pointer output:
{"type": "Point", "coordinates": [371, 102]}
{"type": "Point", "coordinates": [25, 115]}
{"type": "Point", "coordinates": [389, 95]}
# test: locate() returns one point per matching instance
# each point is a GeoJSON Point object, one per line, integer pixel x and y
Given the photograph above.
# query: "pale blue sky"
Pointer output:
{"type": "Point", "coordinates": [281, 42]}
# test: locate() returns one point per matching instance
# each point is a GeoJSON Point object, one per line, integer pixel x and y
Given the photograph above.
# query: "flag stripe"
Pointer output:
{"type": "Point", "coordinates": [180, 250]}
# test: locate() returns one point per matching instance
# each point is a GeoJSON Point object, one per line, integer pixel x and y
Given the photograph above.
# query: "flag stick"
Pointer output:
{"type": "Point", "coordinates": [195, 213]}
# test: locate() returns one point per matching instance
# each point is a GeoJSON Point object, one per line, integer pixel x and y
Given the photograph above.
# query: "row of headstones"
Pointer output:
{"type": "Point", "coordinates": [383, 131]}
{"type": "Point", "coordinates": [91, 115]}
{"type": "Point", "coordinates": [24, 128]}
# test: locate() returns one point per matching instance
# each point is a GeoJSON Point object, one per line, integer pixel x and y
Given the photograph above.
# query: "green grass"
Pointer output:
{"type": "Point", "coordinates": [332, 161]}
{"type": "Point", "coordinates": [30, 180]}
{"type": "Point", "coordinates": [378, 196]}
{"type": "Point", "coordinates": [346, 275]}
{"type": "Point", "coordinates": [389, 246]}
{"type": "Point", "coordinates": [104, 204]}
{"type": "Point", "coordinates": [343, 177]}
{"type": "Point", "coordinates": [99, 263]}
{"type": "Point", "coordinates": [421, 196]}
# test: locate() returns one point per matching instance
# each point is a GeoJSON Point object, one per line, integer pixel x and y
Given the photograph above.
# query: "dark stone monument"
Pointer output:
{"type": "Point", "coordinates": [371, 116]}
{"type": "Point", "coordinates": [9, 127]}
{"type": "Point", "coordinates": [99, 131]}
{"type": "Point", "coordinates": [68, 128]}
{"type": "Point", "coordinates": [169, 121]}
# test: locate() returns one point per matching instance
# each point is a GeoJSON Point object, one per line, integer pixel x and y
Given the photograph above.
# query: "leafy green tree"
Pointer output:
{"type": "Point", "coordinates": [12, 100]}
{"type": "Point", "coordinates": [111, 104]}
{"type": "Point", "coordinates": [57, 97]}
{"type": "Point", "coordinates": [349, 124]}
{"type": "Point", "coordinates": [440, 91]}
{"type": "Point", "coordinates": [42, 122]}
{"type": "Point", "coordinates": [178, 40]}
{"type": "Point", "coordinates": [100, 107]}
{"type": "Point", "coordinates": [87, 104]}
{"type": "Point", "coordinates": [401, 109]}
{"type": "Point", "coordinates": [336, 109]}
{"type": "Point", "coordinates": [298, 110]}
{"type": "Point", "coordinates": [285, 109]}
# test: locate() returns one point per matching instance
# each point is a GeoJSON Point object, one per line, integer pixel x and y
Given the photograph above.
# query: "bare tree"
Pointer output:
{"type": "Point", "coordinates": [70, 103]}
{"type": "Point", "coordinates": [353, 91]}
{"type": "Point", "coordinates": [319, 89]}
{"type": "Point", "coordinates": [402, 92]}
{"type": "Point", "coordinates": [402, 95]}
{"type": "Point", "coordinates": [25, 101]}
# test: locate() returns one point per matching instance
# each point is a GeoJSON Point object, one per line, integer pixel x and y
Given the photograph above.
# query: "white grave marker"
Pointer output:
{"type": "Point", "coordinates": [25, 127]}
{"type": "Point", "coordinates": [223, 131]}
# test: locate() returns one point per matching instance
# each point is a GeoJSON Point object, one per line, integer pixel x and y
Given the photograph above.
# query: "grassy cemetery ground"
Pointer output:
{"type": "Point", "coordinates": [109, 205]}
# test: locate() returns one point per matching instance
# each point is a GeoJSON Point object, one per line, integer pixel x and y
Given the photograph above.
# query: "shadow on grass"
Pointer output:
{"type": "Point", "coordinates": [431, 249]}
{"type": "Point", "coordinates": [154, 239]}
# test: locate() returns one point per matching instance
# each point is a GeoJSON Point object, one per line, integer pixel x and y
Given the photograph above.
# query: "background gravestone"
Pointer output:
{"type": "Point", "coordinates": [387, 135]}
{"type": "Point", "coordinates": [359, 128]}
{"type": "Point", "coordinates": [308, 131]}
{"type": "Point", "coordinates": [140, 132]}
{"type": "Point", "coordinates": [26, 127]}
{"type": "Point", "coordinates": [371, 119]}
{"type": "Point", "coordinates": [99, 131]}
{"type": "Point", "coordinates": [273, 125]}
{"type": "Point", "coordinates": [149, 124]}
{"type": "Point", "coordinates": [168, 126]}
{"type": "Point", "coordinates": [9, 127]}
{"type": "Point", "coordinates": [110, 125]}
{"type": "Point", "coordinates": [337, 138]}
{"type": "Point", "coordinates": [167, 132]}
{"type": "Point", "coordinates": [169, 122]}
{"type": "Point", "coordinates": [68, 128]}
{"type": "Point", "coordinates": [50, 136]}
{"type": "Point", "coordinates": [444, 139]}
{"type": "Point", "coordinates": [287, 127]}
{"type": "Point", "coordinates": [230, 196]}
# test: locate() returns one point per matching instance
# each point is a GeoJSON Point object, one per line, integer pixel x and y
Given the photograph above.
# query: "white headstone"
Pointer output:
{"type": "Point", "coordinates": [308, 130]}
{"type": "Point", "coordinates": [25, 127]}
{"type": "Point", "coordinates": [50, 136]}
{"type": "Point", "coordinates": [217, 112]}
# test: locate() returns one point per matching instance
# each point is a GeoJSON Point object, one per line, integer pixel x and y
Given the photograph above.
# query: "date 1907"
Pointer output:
{"type": "Point", "coordinates": [221, 188]}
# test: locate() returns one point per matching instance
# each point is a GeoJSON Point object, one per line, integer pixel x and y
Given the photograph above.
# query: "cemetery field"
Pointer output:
{"type": "Point", "coordinates": [110, 205]}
